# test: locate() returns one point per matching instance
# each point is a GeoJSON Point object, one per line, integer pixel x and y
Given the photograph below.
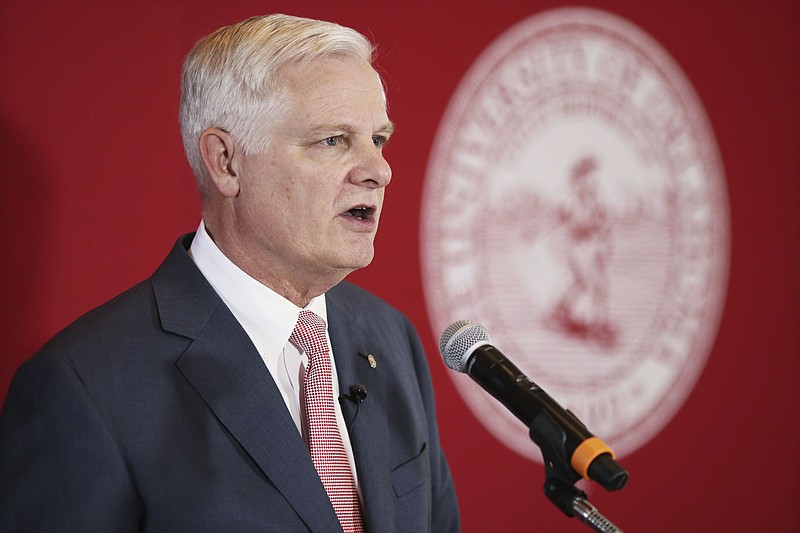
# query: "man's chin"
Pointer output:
{"type": "Point", "coordinates": [357, 261]}
{"type": "Point", "coordinates": [358, 265]}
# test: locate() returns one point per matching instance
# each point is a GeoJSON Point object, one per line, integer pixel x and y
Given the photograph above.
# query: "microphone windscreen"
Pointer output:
{"type": "Point", "coordinates": [458, 341]}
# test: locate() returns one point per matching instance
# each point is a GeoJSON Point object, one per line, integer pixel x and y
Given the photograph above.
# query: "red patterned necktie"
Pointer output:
{"type": "Point", "coordinates": [324, 439]}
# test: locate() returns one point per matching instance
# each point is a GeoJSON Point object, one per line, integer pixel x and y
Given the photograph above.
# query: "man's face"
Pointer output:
{"type": "Point", "coordinates": [309, 204]}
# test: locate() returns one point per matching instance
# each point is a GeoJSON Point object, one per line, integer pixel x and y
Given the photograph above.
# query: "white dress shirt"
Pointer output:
{"type": "Point", "coordinates": [268, 319]}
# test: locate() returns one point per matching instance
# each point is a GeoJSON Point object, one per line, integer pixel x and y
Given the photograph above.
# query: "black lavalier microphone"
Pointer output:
{"type": "Point", "coordinates": [358, 393]}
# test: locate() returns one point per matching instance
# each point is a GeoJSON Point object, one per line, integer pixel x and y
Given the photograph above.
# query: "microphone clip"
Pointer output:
{"type": "Point", "coordinates": [559, 485]}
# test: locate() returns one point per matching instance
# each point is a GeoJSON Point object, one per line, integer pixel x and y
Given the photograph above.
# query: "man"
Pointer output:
{"type": "Point", "coordinates": [186, 403]}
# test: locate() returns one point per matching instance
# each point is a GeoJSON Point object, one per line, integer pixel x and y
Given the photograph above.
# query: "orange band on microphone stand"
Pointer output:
{"type": "Point", "coordinates": [586, 452]}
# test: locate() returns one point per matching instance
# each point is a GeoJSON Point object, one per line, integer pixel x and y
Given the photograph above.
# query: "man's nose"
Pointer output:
{"type": "Point", "coordinates": [371, 168]}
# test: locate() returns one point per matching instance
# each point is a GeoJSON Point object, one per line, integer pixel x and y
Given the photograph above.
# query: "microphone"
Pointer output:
{"type": "Point", "coordinates": [358, 393]}
{"type": "Point", "coordinates": [568, 448]}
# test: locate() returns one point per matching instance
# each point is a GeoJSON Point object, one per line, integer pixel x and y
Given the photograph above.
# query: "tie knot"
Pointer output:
{"type": "Point", "coordinates": [309, 334]}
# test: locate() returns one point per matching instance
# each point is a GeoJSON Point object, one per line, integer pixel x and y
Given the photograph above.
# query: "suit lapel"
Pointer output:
{"type": "Point", "coordinates": [352, 343]}
{"type": "Point", "coordinates": [227, 372]}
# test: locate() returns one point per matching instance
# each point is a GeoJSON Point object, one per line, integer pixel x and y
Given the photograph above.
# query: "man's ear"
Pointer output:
{"type": "Point", "coordinates": [217, 151]}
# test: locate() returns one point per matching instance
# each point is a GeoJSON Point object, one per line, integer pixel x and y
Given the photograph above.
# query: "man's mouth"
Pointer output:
{"type": "Point", "coordinates": [362, 212]}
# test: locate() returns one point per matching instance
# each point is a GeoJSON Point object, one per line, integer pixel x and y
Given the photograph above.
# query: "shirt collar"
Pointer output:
{"type": "Point", "coordinates": [266, 316]}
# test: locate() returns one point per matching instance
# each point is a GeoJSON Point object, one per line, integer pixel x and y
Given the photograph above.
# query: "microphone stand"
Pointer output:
{"type": "Point", "coordinates": [560, 479]}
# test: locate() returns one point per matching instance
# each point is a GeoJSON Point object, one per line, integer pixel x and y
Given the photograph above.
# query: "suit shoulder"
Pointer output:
{"type": "Point", "coordinates": [135, 317]}
{"type": "Point", "coordinates": [122, 324]}
{"type": "Point", "coordinates": [119, 310]}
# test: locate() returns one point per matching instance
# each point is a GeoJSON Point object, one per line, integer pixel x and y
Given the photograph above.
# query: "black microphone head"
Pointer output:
{"type": "Point", "coordinates": [458, 342]}
{"type": "Point", "coordinates": [358, 392]}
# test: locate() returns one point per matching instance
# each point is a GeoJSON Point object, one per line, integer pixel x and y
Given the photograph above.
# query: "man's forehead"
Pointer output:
{"type": "Point", "coordinates": [330, 65]}
{"type": "Point", "coordinates": [336, 94]}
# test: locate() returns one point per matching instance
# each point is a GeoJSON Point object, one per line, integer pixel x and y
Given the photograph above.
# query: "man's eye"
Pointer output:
{"type": "Point", "coordinates": [332, 141]}
{"type": "Point", "coordinates": [379, 140]}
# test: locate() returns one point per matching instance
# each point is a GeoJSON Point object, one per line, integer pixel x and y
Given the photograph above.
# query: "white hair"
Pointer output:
{"type": "Point", "coordinates": [230, 78]}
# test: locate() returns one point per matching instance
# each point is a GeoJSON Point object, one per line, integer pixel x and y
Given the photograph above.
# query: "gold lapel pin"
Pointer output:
{"type": "Point", "coordinates": [372, 362]}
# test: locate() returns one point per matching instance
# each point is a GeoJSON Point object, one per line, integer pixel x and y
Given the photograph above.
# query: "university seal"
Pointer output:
{"type": "Point", "coordinates": [575, 206]}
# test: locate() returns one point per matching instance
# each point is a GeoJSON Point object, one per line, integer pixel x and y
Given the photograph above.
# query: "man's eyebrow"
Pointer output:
{"type": "Point", "coordinates": [323, 129]}
{"type": "Point", "coordinates": [387, 129]}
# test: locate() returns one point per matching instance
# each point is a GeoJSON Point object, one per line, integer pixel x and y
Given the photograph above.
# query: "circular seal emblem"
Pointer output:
{"type": "Point", "coordinates": [575, 206]}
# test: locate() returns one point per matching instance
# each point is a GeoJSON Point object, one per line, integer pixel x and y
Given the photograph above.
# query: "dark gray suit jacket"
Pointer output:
{"type": "Point", "coordinates": [155, 412]}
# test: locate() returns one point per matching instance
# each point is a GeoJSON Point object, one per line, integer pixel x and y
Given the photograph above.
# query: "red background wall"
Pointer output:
{"type": "Point", "coordinates": [95, 189]}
